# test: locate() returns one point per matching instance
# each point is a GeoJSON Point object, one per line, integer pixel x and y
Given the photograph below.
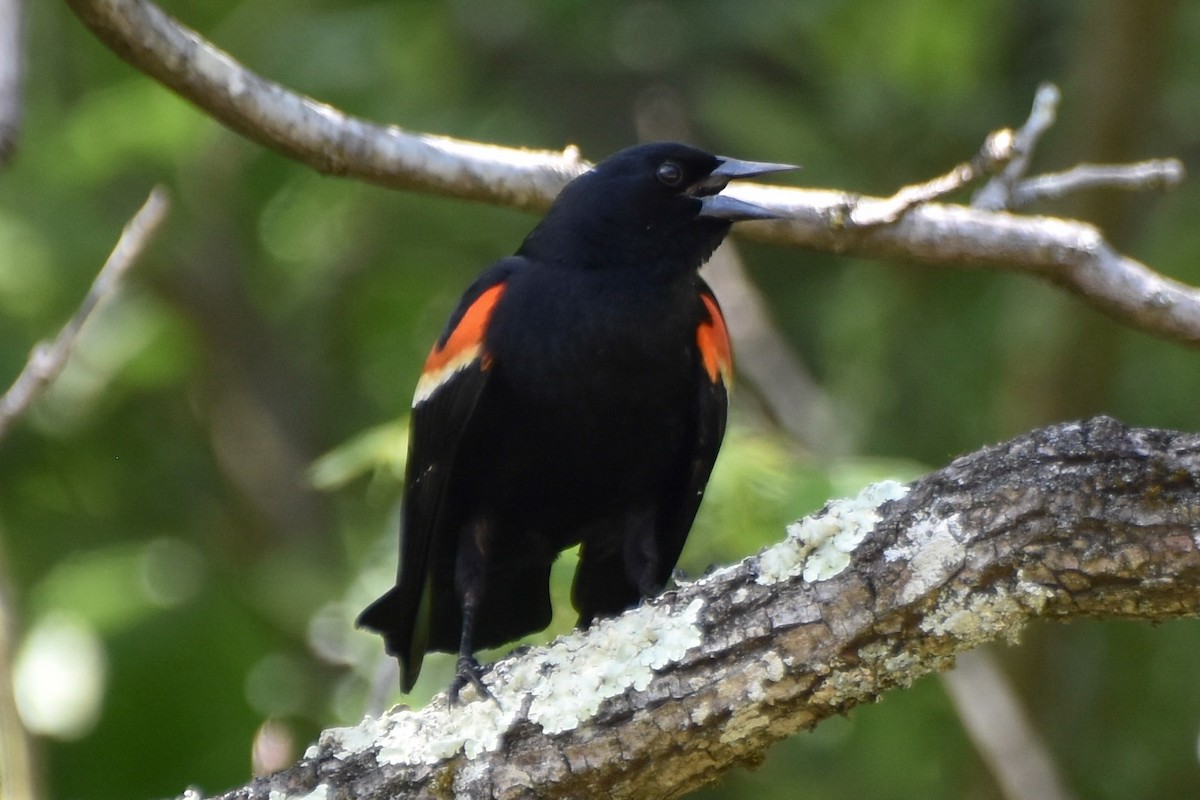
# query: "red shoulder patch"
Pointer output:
{"type": "Point", "coordinates": [462, 346]}
{"type": "Point", "coordinates": [713, 341]}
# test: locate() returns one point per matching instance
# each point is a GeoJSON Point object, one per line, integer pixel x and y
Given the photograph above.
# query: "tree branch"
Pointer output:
{"type": "Point", "coordinates": [996, 195]}
{"type": "Point", "coordinates": [998, 151]}
{"type": "Point", "coordinates": [313, 132]}
{"type": "Point", "coordinates": [48, 359]}
{"type": "Point", "coordinates": [1071, 254]}
{"type": "Point", "coordinates": [1157, 173]}
{"type": "Point", "coordinates": [18, 775]}
{"type": "Point", "coordinates": [1005, 737]}
{"type": "Point", "coordinates": [1010, 189]}
{"type": "Point", "coordinates": [1089, 519]}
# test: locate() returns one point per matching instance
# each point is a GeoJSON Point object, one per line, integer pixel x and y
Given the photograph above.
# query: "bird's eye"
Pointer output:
{"type": "Point", "coordinates": [670, 173]}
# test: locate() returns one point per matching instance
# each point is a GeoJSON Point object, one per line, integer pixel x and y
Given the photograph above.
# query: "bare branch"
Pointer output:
{"type": "Point", "coordinates": [1012, 190]}
{"type": "Point", "coordinates": [11, 55]}
{"type": "Point", "coordinates": [998, 150]}
{"type": "Point", "coordinates": [988, 706]}
{"type": "Point", "coordinates": [48, 359]}
{"type": "Point", "coordinates": [46, 362]}
{"type": "Point", "coordinates": [1071, 254]}
{"type": "Point", "coordinates": [317, 134]}
{"type": "Point", "coordinates": [1162, 173]}
{"type": "Point", "coordinates": [1076, 520]}
{"type": "Point", "coordinates": [997, 194]}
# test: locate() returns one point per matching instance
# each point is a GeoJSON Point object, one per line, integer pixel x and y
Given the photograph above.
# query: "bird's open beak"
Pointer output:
{"type": "Point", "coordinates": [715, 204]}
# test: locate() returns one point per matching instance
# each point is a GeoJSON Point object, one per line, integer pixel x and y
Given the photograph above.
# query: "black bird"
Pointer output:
{"type": "Point", "coordinates": [575, 396]}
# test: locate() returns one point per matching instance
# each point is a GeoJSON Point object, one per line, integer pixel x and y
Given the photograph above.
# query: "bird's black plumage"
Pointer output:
{"type": "Point", "coordinates": [576, 396]}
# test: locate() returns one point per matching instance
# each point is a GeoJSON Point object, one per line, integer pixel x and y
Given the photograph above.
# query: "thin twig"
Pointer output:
{"type": "Point", "coordinates": [1010, 189]}
{"type": "Point", "coordinates": [47, 359]}
{"type": "Point", "coordinates": [1159, 173]}
{"type": "Point", "coordinates": [997, 723]}
{"type": "Point", "coordinates": [1006, 156]}
{"type": "Point", "coordinates": [996, 195]}
{"type": "Point", "coordinates": [19, 779]}
{"type": "Point", "coordinates": [998, 150]}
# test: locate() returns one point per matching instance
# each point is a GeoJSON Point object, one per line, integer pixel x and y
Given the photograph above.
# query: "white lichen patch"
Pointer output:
{"type": "Point", "coordinates": [701, 710]}
{"type": "Point", "coordinates": [718, 574]}
{"type": "Point", "coordinates": [843, 686]}
{"type": "Point", "coordinates": [580, 671]}
{"type": "Point", "coordinates": [562, 684]}
{"type": "Point", "coordinates": [933, 551]}
{"type": "Point", "coordinates": [774, 666]}
{"type": "Point", "coordinates": [319, 793]}
{"type": "Point", "coordinates": [874, 652]}
{"type": "Point", "coordinates": [426, 736]}
{"type": "Point", "coordinates": [345, 741]}
{"type": "Point", "coordinates": [819, 546]}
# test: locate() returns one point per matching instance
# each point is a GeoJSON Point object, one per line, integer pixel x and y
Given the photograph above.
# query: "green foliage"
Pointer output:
{"type": "Point", "coordinates": [378, 451]}
{"type": "Point", "coordinates": [208, 496]}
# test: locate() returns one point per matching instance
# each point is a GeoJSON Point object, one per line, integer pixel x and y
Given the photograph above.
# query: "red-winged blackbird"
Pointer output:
{"type": "Point", "coordinates": [576, 396]}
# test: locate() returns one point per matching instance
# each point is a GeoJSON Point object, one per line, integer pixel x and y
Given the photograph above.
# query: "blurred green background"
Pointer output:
{"type": "Point", "coordinates": [183, 572]}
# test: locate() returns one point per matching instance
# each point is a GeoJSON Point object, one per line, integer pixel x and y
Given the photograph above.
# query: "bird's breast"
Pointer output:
{"type": "Point", "coordinates": [590, 398]}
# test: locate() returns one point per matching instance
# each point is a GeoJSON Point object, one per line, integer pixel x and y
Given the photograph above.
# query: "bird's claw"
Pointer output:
{"type": "Point", "coordinates": [467, 672]}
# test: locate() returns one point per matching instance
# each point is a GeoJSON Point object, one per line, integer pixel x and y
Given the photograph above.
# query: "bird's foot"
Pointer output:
{"type": "Point", "coordinates": [467, 672]}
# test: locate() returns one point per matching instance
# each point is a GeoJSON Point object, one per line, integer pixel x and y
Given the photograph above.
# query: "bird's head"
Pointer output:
{"type": "Point", "coordinates": [653, 208]}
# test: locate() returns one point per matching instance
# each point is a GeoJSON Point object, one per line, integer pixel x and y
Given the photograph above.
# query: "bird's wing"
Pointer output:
{"type": "Point", "coordinates": [714, 376]}
{"type": "Point", "coordinates": [452, 381]}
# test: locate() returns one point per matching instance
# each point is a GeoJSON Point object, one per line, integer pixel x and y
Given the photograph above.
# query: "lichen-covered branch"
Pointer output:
{"type": "Point", "coordinates": [1089, 519]}
{"type": "Point", "coordinates": [1071, 254]}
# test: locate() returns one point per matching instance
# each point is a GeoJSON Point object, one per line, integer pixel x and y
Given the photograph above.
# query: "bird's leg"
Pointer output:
{"type": "Point", "coordinates": [466, 670]}
{"type": "Point", "coordinates": [470, 577]}
{"type": "Point", "coordinates": [642, 558]}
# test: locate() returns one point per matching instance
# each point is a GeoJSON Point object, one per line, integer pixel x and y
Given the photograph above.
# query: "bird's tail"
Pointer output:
{"type": "Point", "coordinates": [403, 635]}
